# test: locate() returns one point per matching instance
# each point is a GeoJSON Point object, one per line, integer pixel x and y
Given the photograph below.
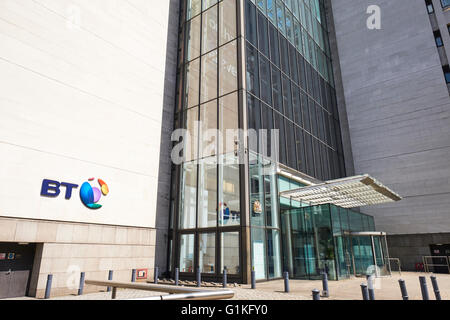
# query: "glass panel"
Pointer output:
{"type": "Point", "coordinates": [229, 189]}
{"type": "Point", "coordinates": [229, 70]}
{"type": "Point", "coordinates": [188, 196]}
{"type": "Point", "coordinates": [194, 7]}
{"type": "Point", "coordinates": [187, 253]}
{"type": "Point", "coordinates": [250, 25]}
{"type": "Point", "coordinates": [276, 90]}
{"type": "Point", "coordinates": [263, 34]}
{"type": "Point", "coordinates": [207, 252]}
{"type": "Point", "coordinates": [256, 191]}
{"type": "Point", "coordinates": [274, 254]}
{"type": "Point", "coordinates": [266, 92]}
{"type": "Point", "coordinates": [209, 77]}
{"type": "Point", "coordinates": [208, 3]}
{"type": "Point", "coordinates": [227, 9]}
{"type": "Point", "coordinates": [274, 45]}
{"type": "Point", "coordinates": [192, 129]}
{"type": "Point", "coordinates": [207, 189]}
{"type": "Point", "coordinates": [193, 38]}
{"type": "Point", "coordinates": [259, 254]}
{"type": "Point", "coordinates": [271, 204]}
{"type": "Point", "coordinates": [192, 83]}
{"type": "Point", "coordinates": [230, 252]}
{"type": "Point", "coordinates": [208, 129]}
{"type": "Point", "coordinates": [229, 122]}
{"type": "Point", "coordinates": [252, 71]}
{"type": "Point", "coordinates": [209, 34]}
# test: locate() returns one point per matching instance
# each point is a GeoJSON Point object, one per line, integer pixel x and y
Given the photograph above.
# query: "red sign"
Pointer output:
{"type": "Point", "coordinates": [2, 256]}
{"type": "Point", "coordinates": [141, 274]}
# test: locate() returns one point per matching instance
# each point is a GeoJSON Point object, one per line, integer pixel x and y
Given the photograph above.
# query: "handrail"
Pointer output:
{"type": "Point", "coordinates": [427, 265]}
{"type": "Point", "coordinates": [205, 295]}
{"type": "Point", "coordinates": [177, 293]}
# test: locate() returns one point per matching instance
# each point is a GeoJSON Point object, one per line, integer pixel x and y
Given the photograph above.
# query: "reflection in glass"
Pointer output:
{"type": "Point", "coordinates": [230, 252]}
{"type": "Point", "coordinates": [228, 68]}
{"type": "Point", "coordinates": [193, 38]}
{"type": "Point", "coordinates": [227, 9]}
{"type": "Point", "coordinates": [229, 199]}
{"type": "Point", "coordinates": [208, 129]}
{"type": "Point", "coordinates": [229, 123]}
{"type": "Point", "coordinates": [207, 189]}
{"type": "Point", "coordinates": [210, 32]}
{"type": "Point", "coordinates": [207, 252]}
{"type": "Point", "coordinates": [273, 253]}
{"type": "Point", "coordinates": [209, 77]}
{"type": "Point", "coordinates": [259, 253]}
{"type": "Point", "coordinates": [189, 196]}
{"type": "Point", "coordinates": [192, 83]}
{"type": "Point", "coordinates": [187, 253]}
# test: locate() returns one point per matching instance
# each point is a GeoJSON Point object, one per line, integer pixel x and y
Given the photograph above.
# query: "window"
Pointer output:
{"type": "Point", "coordinates": [187, 253]}
{"type": "Point", "coordinates": [228, 68]}
{"type": "Point", "coordinates": [445, 3]}
{"type": "Point", "coordinates": [438, 38]}
{"type": "Point", "coordinates": [229, 191]}
{"type": "Point", "coordinates": [189, 192]}
{"type": "Point", "coordinates": [230, 252]}
{"type": "Point", "coordinates": [227, 12]}
{"type": "Point", "coordinates": [430, 7]}
{"type": "Point", "coordinates": [207, 193]}
{"type": "Point", "coordinates": [207, 250]}
{"type": "Point", "coordinates": [209, 77]}
{"type": "Point", "coordinates": [447, 73]}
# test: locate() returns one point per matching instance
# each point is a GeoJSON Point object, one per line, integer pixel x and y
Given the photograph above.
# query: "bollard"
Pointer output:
{"type": "Point", "coordinates": [316, 294]}
{"type": "Point", "coordinates": [177, 276]}
{"type": "Point", "coordinates": [286, 282]}
{"type": "Point", "coordinates": [325, 292]}
{"type": "Point", "coordinates": [437, 293]}
{"type": "Point", "coordinates": [133, 275]}
{"type": "Point", "coordinates": [253, 279]}
{"type": "Point", "coordinates": [48, 287]}
{"type": "Point", "coordinates": [155, 280]}
{"type": "Point", "coordinates": [403, 289]}
{"type": "Point", "coordinates": [110, 277]}
{"type": "Point", "coordinates": [81, 288]}
{"type": "Point", "coordinates": [199, 277]}
{"type": "Point", "coordinates": [424, 288]}
{"type": "Point", "coordinates": [365, 291]}
{"type": "Point", "coordinates": [370, 288]}
{"type": "Point", "coordinates": [224, 282]}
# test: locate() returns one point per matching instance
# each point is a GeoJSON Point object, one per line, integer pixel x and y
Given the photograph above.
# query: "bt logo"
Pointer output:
{"type": "Point", "coordinates": [89, 194]}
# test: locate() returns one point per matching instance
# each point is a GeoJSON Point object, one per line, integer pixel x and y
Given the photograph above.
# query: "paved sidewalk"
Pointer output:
{"type": "Point", "coordinates": [387, 289]}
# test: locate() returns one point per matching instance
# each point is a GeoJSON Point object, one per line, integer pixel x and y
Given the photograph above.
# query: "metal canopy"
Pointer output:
{"type": "Point", "coordinates": [351, 192]}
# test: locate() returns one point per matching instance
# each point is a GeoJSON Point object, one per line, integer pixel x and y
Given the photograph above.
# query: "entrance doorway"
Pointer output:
{"type": "Point", "coordinates": [441, 252]}
{"type": "Point", "coordinates": [16, 264]}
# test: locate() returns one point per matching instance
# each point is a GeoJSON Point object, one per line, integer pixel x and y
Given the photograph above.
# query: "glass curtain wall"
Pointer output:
{"type": "Point", "coordinates": [209, 211]}
{"type": "Point", "coordinates": [315, 239]}
{"type": "Point", "coordinates": [290, 84]}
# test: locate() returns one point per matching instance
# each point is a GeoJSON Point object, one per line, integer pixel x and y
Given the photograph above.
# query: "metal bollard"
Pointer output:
{"type": "Point", "coordinates": [110, 277]}
{"type": "Point", "coordinates": [155, 280]}
{"type": "Point", "coordinates": [437, 293]}
{"type": "Point", "coordinates": [316, 294]}
{"type": "Point", "coordinates": [370, 288]}
{"type": "Point", "coordinates": [286, 282]}
{"type": "Point", "coordinates": [253, 279]}
{"type": "Point", "coordinates": [133, 275]}
{"type": "Point", "coordinates": [325, 292]}
{"type": "Point", "coordinates": [81, 287]}
{"type": "Point", "coordinates": [424, 288]}
{"type": "Point", "coordinates": [48, 287]}
{"type": "Point", "coordinates": [177, 276]}
{"type": "Point", "coordinates": [199, 277]}
{"type": "Point", "coordinates": [225, 276]}
{"type": "Point", "coordinates": [365, 291]}
{"type": "Point", "coordinates": [403, 289]}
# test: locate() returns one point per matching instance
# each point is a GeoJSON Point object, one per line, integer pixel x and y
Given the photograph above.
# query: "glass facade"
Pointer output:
{"type": "Point", "coordinates": [255, 64]}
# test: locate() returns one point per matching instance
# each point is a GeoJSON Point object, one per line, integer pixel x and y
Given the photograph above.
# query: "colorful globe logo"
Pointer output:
{"type": "Point", "coordinates": [90, 196]}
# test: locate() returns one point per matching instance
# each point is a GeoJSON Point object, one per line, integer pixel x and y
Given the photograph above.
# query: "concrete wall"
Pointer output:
{"type": "Point", "coordinates": [87, 90]}
{"type": "Point", "coordinates": [412, 247]}
{"type": "Point", "coordinates": [398, 111]}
